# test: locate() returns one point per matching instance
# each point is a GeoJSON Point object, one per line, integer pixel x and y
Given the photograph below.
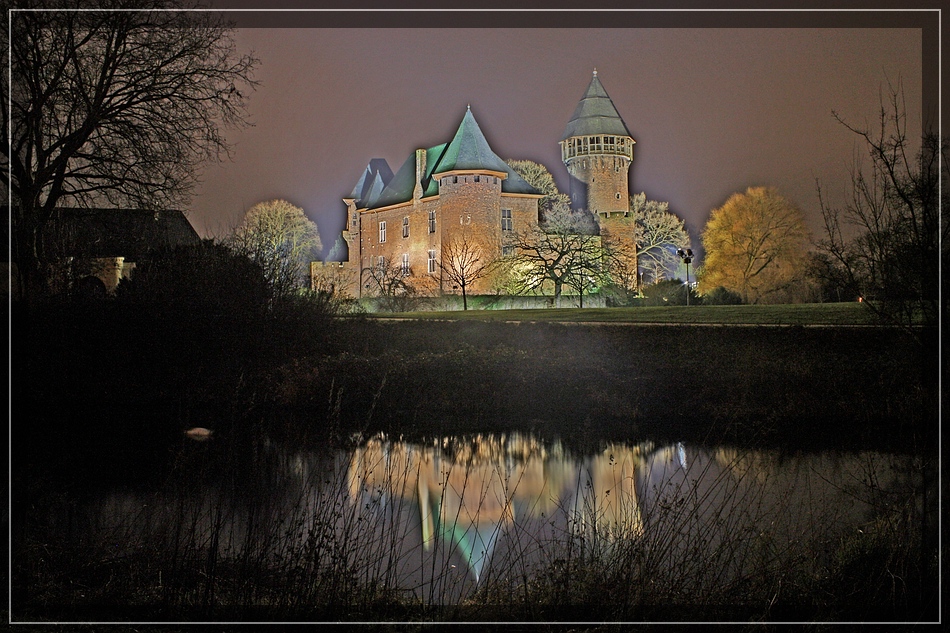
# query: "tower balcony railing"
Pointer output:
{"type": "Point", "coordinates": [587, 146]}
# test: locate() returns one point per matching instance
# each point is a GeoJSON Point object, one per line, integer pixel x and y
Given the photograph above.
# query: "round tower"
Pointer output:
{"type": "Point", "coordinates": [597, 149]}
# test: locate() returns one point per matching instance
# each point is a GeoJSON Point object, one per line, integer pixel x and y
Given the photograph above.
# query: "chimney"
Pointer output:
{"type": "Point", "coordinates": [420, 173]}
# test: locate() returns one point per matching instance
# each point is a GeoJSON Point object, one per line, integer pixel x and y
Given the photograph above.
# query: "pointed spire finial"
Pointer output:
{"type": "Point", "coordinates": [469, 107]}
{"type": "Point", "coordinates": [595, 72]}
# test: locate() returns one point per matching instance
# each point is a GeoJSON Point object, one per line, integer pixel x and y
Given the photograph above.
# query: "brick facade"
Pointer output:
{"type": "Point", "coordinates": [462, 190]}
{"type": "Point", "coordinates": [453, 197]}
{"type": "Point", "coordinates": [597, 149]}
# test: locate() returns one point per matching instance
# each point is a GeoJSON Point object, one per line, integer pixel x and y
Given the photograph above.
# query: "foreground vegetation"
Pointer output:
{"type": "Point", "coordinates": [104, 390]}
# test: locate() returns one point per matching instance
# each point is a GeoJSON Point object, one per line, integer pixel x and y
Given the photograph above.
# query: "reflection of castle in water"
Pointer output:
{"type": "Point", "coordinates": [468, 489]}
{"type": "Point", "coordinates": [439, 520]}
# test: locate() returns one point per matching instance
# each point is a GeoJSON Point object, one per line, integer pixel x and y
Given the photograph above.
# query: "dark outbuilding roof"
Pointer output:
{"type": "Point", "coordinates": [595, 114]}
{"type": "Point", "coordinates": [129, 233]}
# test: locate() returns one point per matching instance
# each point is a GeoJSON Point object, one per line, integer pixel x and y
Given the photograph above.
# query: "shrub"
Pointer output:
{"type": "Point", "coordinates": [721, 297]}
{"type": "Point", "coordinates": [664, 293]}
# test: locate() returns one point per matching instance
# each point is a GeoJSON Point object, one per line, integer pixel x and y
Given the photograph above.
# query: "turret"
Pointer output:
{"type": "Point", "coordinates": [597, 149]}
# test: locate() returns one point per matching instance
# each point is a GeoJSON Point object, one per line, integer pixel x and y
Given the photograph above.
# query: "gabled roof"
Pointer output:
{"type": "Point", "coordinates": [595, 114]}
{"type": "Point", "coordinates": [129, 233]}
{"type": "Point", "coordinates": [467, 151]}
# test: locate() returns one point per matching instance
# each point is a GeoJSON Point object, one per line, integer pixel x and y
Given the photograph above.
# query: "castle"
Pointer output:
{"type": "Point", "coordinates": [461, 192]}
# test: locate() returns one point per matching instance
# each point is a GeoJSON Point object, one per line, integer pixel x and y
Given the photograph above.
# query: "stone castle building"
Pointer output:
{"type": "Point", "coordinates": [461, 192]}
{"type": "Point", "coordinates": [455, 192]}
{"type": "Point", "coordinates": [597, 149]}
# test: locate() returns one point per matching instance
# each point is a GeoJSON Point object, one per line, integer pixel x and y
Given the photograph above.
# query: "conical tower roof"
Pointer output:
{"type": "Point", "coordinates": [374, 179]}
{"type": "Point", "coordinates": [595, 114]}
{"type": "Point", "coordinates": [467, 151]}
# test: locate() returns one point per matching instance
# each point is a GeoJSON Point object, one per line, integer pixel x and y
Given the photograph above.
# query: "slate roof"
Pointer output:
{"type": "Point", "coordinates": [129, 233]}
{"type": "Point", "coordinates": [374, 179]}
{"type": "Point", "coordinates": [467, 151]}
{"type": "Point", "coordinates": [595, 114]}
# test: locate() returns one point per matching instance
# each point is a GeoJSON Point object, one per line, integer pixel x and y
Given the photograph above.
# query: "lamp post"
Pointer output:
{"type": "Point", "coordinates": [687, 257]}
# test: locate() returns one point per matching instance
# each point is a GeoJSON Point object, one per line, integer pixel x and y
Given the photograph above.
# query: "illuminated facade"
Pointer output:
{"type": "Point", "coordinates": [462, 191]}
{"type": "Point", "coordinates": [597, 149]}
{"type": "Point", "coordinates": [442, 195]}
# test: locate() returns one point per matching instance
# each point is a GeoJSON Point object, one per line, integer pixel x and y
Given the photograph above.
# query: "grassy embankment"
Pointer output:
{"type": "Point", "coordinates": [819, 314]}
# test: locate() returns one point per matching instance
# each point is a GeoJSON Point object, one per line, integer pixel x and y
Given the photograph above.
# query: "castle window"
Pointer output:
{"type": "Point", "coordinates": [455, 180]}
{"type": "Point", "coordinates": [618, 196]}
{"type": "Point", "coordinates": [405, 264]}
{"type": "Point", "coordinates": [431, 221]}
{"type": "Point", "coordinates": [507, 250]}
{"type": "Point", "coordinates": [382, 232]}
{"type": "Point", "coordinates": [381, 264]}
{"type": "Point", "coordinates": [506, 223]}
{"type": "Point", "coordinates": [354, 219]}
{"type": "Point", "coordinates": [405, 226]}
{"type": "Point", "coordinates": [431, 267]}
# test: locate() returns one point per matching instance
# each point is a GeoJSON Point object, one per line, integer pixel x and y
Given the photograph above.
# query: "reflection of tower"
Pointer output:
{"type": "Point", "coordinates": [597, 149]}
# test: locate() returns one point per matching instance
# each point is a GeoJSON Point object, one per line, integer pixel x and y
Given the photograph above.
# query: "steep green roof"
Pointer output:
{"type": "Point", "coordinates": [400, 187]}
{"type": "Point", "coordinates": [467, 151]}
{"type": "Point", "coordinates": [595, 114]}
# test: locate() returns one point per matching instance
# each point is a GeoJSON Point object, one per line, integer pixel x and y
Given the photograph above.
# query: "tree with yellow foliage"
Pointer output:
{"type": "Point", "coordinates": [756, 245]}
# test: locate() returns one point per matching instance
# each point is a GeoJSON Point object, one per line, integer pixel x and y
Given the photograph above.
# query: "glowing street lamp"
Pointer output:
{"type": "Point", "coordinates": [687, 257]}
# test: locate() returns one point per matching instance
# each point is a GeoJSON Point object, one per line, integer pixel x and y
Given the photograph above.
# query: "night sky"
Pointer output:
{"type": "Point", "coordinates": [715, 105]}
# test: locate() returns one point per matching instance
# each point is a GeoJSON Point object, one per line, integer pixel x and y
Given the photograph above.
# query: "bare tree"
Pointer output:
{"type": "Point", "coordinates": [281, 240]}
{"type": "Point", "coordinates": [112, 104]}
{"type": "Point", "coordinates": [556, 254]}
{"type": "Point", "coordinates": [885, 239]}
{"type": "Point", "coordinates": [539, 177]}
{"type": "Point", "coordinates": [393, 284]}
{"type": "Point", "coordinates": [646, 241]}
{"type": "Point", "coordinates": [659, 234]}
{"type": "Point", "coordinates": [463, 261]}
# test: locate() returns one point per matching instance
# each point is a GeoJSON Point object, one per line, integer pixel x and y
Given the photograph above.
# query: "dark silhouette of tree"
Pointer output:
{"type": "Point", "coordinates": [392, 283]}
{"type": "Point", "coordinates": [885, 238]}
{"type": "Point", "coordinates": [112, 107]}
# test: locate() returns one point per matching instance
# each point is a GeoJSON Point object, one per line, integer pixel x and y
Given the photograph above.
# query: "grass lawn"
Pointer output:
{"type": "Point", "coordinates": [792, 314]}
